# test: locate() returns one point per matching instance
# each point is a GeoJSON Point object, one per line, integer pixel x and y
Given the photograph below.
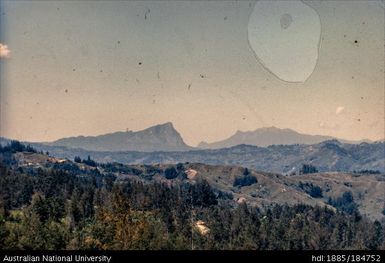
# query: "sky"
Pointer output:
{"type": "Point", "coordinates": [72, 68]}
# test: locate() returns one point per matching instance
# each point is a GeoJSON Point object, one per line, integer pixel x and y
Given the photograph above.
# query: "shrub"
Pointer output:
{"type": "Point", "coordinates": [313, 190]}
{"type": "Point", "coordinates": [245, 180]}
{"type": "Point", "coordinates": [170, 173]}
{"type": "Point", "coordinates": [345, 203]}
{"type": "Point", "coordinates": [308, 169]}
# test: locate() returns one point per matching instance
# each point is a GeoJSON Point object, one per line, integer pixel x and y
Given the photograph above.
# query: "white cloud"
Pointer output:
{"type": "Point", "coordinates": [4, 51]}
{"type": "Point", "coordinates": [339, 110]}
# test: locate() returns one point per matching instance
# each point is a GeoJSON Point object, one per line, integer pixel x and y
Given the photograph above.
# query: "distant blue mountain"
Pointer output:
{"type": "Point", "coordinates": [270, 136]}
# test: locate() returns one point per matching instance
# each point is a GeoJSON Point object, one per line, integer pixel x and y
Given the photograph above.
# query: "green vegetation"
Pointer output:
{"type": "Point", "coordinates": [345, 203]}
{"type": "Point", "coordinates": [367, 172]}
{"type": "Point", "coordinates": [87, 161]}
{"type": "Point", "coordinates": [244, 180]}
{"type": "Point", "coordinates": [313, 190]}
{"type": "Point", "coordinates": [16, 146]}
{"type": "Point", "coordinates": [65, 207]}
{"type": "Point", "coordinates": [308, 169]}
{"type": "Point", "coordinates": [170, 173]}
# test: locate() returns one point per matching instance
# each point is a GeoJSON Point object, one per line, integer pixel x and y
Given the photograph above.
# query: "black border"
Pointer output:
{"type": "Point", "coordinates": [377, 256]}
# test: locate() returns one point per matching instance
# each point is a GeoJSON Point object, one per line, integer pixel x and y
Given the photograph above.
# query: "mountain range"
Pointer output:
{"type": "Point", "coordinates": [161, 137]}
{"type": "Point", "coordinates": [286, 153]}
{"type": "Point", "coordinates": [270, 136]}
{"type": "Point", "coordinates": [325, 156]}
{"type": "Point", "coordinates": [164, 137]}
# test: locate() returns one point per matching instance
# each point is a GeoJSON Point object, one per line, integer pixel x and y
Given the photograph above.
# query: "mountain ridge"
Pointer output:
{"type": "Point", "coordinates": [161, 137]}
{"type": "Point", "coordinates": [164, 137]}
{"type": "Point", "coordinates": [326, 156]}
{"type": "Point", "coordinates": [271, 136]}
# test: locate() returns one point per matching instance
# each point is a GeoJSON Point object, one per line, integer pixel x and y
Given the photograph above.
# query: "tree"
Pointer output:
{"type": "Point", "coordinates": [308, 169]}
{"type": "Point", "coordinates": [316, 192]}
{"type": "Point", "coordinates": [170, 173]}
{"type": "Point", "coordinates": [30, 149]}
{"type": "Point", "coordinates": [90, 162]}
{"type": "Point", "coordinates": [17, 146]}
{"type": "Point", "coordinates": [345, 203]}
{"type": "Point", "coordinates": [202, 194]}
{"type": "Point", "coordinates": [313, 190]}
{"type": "Point", "coordinates": [179, 167]}
{"type": "Point", "coordinates": [244, 180]}
{"type": "Point", "coordinates": [383, 210]}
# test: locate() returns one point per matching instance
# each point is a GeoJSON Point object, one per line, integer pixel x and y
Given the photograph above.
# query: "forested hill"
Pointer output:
{"type": "Point", "coordinates": [52, 203]}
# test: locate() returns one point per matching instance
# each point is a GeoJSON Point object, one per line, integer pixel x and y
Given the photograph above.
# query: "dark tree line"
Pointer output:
{"type": "Point", "coordinates": [16, 146]}
{"type": "Point", "coordinates": [87, 161]}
